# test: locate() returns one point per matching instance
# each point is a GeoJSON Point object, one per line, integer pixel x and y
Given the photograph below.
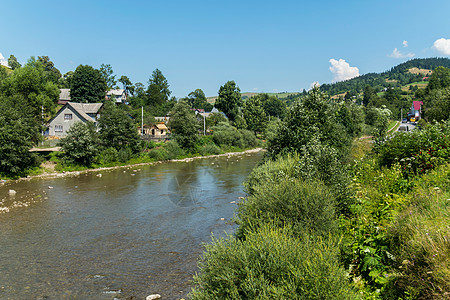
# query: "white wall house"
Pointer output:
{"type": "Point", "coordinates": [119, 94]}
{"type": "Point", "coordinates": [71, 113]}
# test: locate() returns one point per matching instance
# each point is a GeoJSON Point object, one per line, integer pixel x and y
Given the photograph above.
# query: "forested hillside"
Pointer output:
{"type": "Point", "coordinates": [396, 77]}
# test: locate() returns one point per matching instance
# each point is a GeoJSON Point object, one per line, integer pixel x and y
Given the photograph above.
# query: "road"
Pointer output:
{"type": "Point", "coordinates": [411, 126]}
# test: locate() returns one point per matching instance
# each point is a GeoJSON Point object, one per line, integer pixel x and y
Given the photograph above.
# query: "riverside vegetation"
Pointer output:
{"type": "Point", "coordinates": [328, 218]}
{"type": "Point", "coordinates": [370, 220]}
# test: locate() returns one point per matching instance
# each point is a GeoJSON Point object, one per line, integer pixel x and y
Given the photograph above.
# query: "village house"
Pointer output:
{"type": "Point", "coordinates": [64, 96]}
{"type": "Point", "coordinates": [119, 94]}
{"type": "Point", "coordinates": [164, 120]}
{"type": "Point", "coordinates": [155, 131]}
{"type": "Point", "coordinates": [71, 113]}
{"type": "Point", "coordinates": [416, 111]}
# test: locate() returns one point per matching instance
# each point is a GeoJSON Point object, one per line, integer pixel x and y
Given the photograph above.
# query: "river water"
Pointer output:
{"type": "Point", "coordinates": [125, 234]}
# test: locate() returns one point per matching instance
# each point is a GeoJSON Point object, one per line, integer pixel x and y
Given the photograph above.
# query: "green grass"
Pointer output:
{"type": "Point", "coordinates": [393, 124]}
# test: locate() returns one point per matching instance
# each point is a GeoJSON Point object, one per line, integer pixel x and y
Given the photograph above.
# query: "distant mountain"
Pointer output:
{"type": "Point", "coordinates": [408, 72]}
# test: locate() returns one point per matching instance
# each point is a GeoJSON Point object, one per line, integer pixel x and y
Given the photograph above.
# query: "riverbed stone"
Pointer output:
{"type": "Point", "coordinates": [153, 297]}
{"type": "Point", "coordinates": [12, 192]}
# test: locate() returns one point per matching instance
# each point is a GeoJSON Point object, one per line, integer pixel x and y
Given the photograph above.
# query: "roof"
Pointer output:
{"type": "Point", "coordinates": [116, 92]}
{"type": "Point", "coordinates": [83, 109]}
{"type": "Point", "coordinates": [161, 126]}
{"type": "Point", "coordinates": [417, 105]}
{"type": "Point", "coordinates": [64, 94]}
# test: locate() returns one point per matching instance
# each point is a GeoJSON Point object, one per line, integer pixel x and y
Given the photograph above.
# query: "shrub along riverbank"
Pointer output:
{"type": "Point", "coordinates": [153, 152]}
{"type": "Point", "coordinates": [318, 225]}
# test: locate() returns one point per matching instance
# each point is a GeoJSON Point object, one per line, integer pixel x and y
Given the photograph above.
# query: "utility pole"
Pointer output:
{"type": "Point", "coordinates": [142, 120]}
{"type": "Point", "coordinates": [42, 131]}
{"type": "Point", "coordinates": [204, 123]}
{"type": "Point", "coordinates": [401, 114]}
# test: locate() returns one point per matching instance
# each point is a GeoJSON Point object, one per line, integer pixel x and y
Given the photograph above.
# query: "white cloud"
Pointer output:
{"type": "Point", "coordinates": [398, 54]}
{"type": "Point", "coordinates": [255, 89]}
{"type": "Point", "coordinates": [342, 71]}
{"type": "Point", "coordinates": [405, 43]}
{"type": "Point", "coordinates": [3, 60]}
{"type": "Point", "coordinates": [312, 85]}
{"type": "Point", "coordinates": [442, 46]}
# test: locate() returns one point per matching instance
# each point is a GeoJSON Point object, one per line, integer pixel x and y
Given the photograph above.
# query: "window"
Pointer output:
{"type": "Point", "coordinates": [58, 128]}
{"type": "Point", "coordinates": [67, 116]}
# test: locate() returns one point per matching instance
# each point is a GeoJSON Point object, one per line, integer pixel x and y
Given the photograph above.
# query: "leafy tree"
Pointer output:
{"type": "Point", "coordinates": [32, 89]}
{"type": "Point", "coordinates": [439, 79]}
{"type": "Point", "coordinates": [127, 85]}
{"type": "Point", "coordinates": [352, 117]}
{"type": "Point", "coordinates": [52, 73]}
{"type": "Point", "coordinates": [87, 85]}
{"type": "Point", "coordinates": [214, 119]}
{"type": "Point", "coordinates": [254, 114]}
{"type": "Point", "coordinates": [239, 122]}
{"type": "Point", "coordinates": [117, 129]}
{"type": "Point", "coordinates": [158, 89]}
{"type": "Point", "coordinates": [309, 119]}
{"type": "Point", "coordinates": [369, 95]}
{"type": "Point", "coordinates": [184, 125]}
{"type": "Point", "coordinates": [13, 63]}
{"type": "Point", "coordinates": [197, 99]}
{"type": "Point", "coordinates": [229, 100]}
{"type": "Point", "coordinates": [65, 80]}
{"type": "Point", "coordinates": [438, 104]}
{"type": "Point", "coordinates": [18, 132]}
{"type": "Point", "coordinates": [379, 119]}
{"type": "Point", "coordinates": [273, 106]}
{"type": "Point", "coordinates": [138, 97]}
{"type": "Point", "coordinates": [107, 74]}
{"type": "Point", "coordinates": [81, 144]}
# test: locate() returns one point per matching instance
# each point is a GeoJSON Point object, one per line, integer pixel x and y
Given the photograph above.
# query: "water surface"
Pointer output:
{"type": "Point", "coordinates": [127, 234]}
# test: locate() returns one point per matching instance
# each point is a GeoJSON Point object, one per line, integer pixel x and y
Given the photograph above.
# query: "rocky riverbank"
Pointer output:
{"type": "Point", "coordinates": [48, 175]}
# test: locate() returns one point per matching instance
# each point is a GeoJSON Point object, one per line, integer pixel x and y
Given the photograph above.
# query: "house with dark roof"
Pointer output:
{"type": "Point", "coordinates": [71, 113]}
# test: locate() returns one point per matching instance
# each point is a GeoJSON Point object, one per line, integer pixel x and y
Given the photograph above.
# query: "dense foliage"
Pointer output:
{"type": "Point", "coordinates": [184, 125]}
{"type": "Point", "coordinates": [81, 145]}
{"type": "Point", "coordinates": [272, 264]}
{"type": "Point", "coordinates": [229, 100]}
{"type": "Point", "coordinates": [87, 85]}
{"type": "Point", "coordinates": [117, 129]}
{"type": "Point", "coordinates": [18, 133]}
{"type": "Point", "coordinates": [397, 76]}
{"type": "Point", "coordinates": [312, 117]}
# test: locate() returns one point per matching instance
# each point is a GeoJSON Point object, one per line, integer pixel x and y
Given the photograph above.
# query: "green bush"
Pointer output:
{"type": "Point", "coordinates": [124, 154]}
{"type": "Point", "coordinates": [81, 144]}
{"type": "Point", "coordinates": [148, 145]}
{"type": "Point", "coordinates": [248, 137]}
{"type": "Point", "coordinates": [316, 161]}
{"type": "Point", "coordinates": [210, 149]}
{"type": "Point", "coordinates": [110, 155]}
{"type": "Point", "coordinates": [173, 150]}
{"type": "Point", "coordinates": [227, 135]}
{"type": "Point", "coordinates": [417, 152]}
{"type": "Point", "coordinates": [308, 206]}
{"type": "Point", "coordinates": [271, 264]}
{"type": "Point", "coordinates": [158, 154]}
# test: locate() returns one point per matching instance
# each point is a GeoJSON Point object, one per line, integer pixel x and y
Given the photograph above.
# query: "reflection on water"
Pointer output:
{"type": "Point", "coordinates": [130, 233]}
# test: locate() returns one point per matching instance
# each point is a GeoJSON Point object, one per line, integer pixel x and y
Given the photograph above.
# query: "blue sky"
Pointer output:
{"type": "Point", "coordinates": [265, 46]}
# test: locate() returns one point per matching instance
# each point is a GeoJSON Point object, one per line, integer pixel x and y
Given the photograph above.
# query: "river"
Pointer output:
{"type": "Point", "coordinates": [125, 234]}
